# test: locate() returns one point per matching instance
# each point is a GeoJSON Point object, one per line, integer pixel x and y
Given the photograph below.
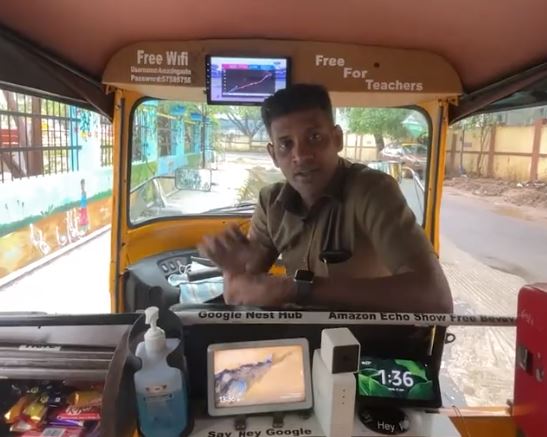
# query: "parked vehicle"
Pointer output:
{"type": "Point", "coordinates": [412, 155]}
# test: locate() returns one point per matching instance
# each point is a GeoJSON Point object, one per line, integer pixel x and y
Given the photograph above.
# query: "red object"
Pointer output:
{"type": "Point", "coordinates": [83, 220]}
{"type": "Point", "coordinates": [85, 413]}
{"type": "Point", "coordinates": [9, 138]}
{"type": "Point", "coordinates": [530, 400]}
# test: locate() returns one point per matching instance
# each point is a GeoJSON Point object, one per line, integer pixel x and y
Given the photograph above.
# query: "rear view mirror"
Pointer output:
{"type": "Point", "coordinates": [193, 179]}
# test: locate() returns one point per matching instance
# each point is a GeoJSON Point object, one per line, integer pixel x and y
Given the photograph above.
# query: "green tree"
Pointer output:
{"type": "Point", "coordinates": [246, 119]}
{"type": "Point", "coordinates": [380, 122]}
{"type": "Point", "coordinates": [207, 116]}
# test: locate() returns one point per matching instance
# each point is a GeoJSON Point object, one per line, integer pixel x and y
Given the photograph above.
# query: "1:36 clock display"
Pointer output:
{"type": "Point", "coordinates": [394, 378]}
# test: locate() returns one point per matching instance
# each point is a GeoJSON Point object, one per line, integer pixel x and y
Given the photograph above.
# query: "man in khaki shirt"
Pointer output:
{"type": "Point", "coordinates": [344, 232]}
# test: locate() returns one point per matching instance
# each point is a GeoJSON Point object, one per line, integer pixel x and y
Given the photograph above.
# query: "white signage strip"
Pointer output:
{"type": "Point", "coordinates": [197, 317]}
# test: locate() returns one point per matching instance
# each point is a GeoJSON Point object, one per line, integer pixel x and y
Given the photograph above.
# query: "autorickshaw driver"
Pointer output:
{"type": "Point", "coordinates": [345, 233]}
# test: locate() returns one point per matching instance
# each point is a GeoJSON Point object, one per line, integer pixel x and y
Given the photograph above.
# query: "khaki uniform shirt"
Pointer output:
{"type": "Point", "coordinates": [363, 217]}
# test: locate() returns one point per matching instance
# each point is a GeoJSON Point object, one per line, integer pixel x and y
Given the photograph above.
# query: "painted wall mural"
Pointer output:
{"type": "Point", "coordinates": [51, 233]}
{"type": "Point", "coordinates": [69, 194]}
{"type": "Point", "coordinates": [59, 192]}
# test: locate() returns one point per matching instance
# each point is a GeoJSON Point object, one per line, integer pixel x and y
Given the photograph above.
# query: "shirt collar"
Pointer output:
{"type": "Point", "coordinates": [289, 198]}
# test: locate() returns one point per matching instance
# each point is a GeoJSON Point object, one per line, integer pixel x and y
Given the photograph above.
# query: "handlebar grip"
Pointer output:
{"type": "Point", "coordinates": [204, 274]}
{"type": "Point", "coordinates": [203, 261]}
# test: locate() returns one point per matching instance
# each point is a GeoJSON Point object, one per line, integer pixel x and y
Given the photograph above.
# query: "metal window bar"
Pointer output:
{"type": "Point", "coordinates": [164, 132]}
{"type": "Point", "coordinates": [25, 152]}
{"type": "Point", "coordinates": [137, 135]}
{"type": "Point", "coordinates": [141, 133]}
{"type": "Point", "coordinates": [35, 137]}
{"type": "Point", "coordinates": [107, 142]}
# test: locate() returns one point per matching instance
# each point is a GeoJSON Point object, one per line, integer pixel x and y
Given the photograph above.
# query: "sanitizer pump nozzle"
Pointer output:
{"type": "Point", "coordinates": [162, 399]}
{"type": "Point", "coordinates": [154, 337]}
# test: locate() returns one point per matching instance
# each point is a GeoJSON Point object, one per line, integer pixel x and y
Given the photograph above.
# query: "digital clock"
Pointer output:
{"type": "Point", "coordinates": [404, 381]}
{"type": "Point", "coordinates": [396, 379]}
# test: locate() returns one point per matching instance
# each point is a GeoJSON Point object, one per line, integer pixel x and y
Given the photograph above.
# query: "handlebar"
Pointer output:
{"type": "Point", "coordinates": [204, 274]}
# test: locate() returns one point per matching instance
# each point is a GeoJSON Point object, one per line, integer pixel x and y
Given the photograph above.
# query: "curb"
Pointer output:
{"type": "Point", "coordinates": [14, 276]}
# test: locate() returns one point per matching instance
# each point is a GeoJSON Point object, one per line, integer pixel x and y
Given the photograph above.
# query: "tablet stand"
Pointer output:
{"type": "Point", "coordinates": [305, 414]}
{"type": "Point", "coordinates": [240, 423]}
{"type": "Point", "coordinates": [278, 420]}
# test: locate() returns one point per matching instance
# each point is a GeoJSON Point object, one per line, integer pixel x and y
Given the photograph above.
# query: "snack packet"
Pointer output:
{"type": "Point", "coordinates": [35, 411]}
{"type": "Point", "coordinates": [85, 398]}
{"type": "Point", "coordinates": [74, 413]}
{"type": "Point", "coordinates": [14, 414]}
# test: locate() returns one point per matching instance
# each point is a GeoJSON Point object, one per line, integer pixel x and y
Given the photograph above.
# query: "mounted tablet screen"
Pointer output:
{"type": "Point", "coordinates": [397, 382]}
{"type": "Point", "coordinates": [259, 376]}
{"type": "Point", "coordinates": [244, 80]}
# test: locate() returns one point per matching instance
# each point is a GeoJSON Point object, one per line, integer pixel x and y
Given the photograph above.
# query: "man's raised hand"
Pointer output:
{"type": "Point", "coordinates": [230, 250]}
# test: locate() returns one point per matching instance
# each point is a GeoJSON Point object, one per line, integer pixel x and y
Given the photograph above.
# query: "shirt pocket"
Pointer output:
{"type": "Point", "coordinates": [364, 263]}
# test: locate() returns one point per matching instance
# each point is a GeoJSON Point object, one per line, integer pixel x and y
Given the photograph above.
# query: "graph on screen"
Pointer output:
{"type": "Point", "coordinates": [245, 80]}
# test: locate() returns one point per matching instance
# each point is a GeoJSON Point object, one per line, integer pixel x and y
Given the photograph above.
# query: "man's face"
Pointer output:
{"type": "Point", "coordinates": [305, 147]}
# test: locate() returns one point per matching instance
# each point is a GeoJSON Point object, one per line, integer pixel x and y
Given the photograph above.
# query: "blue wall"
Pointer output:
{"type": "Point", "coordinates": [179, 156]}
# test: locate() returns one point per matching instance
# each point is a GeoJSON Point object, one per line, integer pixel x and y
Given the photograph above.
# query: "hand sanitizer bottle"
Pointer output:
{"type": "Point", "coordinates": [161, 391]}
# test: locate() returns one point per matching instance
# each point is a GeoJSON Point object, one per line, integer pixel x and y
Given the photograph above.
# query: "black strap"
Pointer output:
{"type": "Point", "coordinates": [335, 247]}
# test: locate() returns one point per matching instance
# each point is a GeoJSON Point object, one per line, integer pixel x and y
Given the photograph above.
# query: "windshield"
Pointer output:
{"type": "Point", "coordinates": [415, 149]}
{"type": "Point", "coordinates": [197, 159]}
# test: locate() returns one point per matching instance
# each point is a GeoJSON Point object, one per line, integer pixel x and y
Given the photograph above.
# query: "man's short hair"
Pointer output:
{"type": "Point", "coordinates": [295, 98]}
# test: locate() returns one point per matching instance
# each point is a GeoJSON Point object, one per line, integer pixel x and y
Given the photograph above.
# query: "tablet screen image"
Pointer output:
{"type": "Point", "coordinates": [260, 378]}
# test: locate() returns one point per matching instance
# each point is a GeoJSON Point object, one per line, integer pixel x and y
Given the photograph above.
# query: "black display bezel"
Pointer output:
{"type": "Point", "coordinates": [210, 101]}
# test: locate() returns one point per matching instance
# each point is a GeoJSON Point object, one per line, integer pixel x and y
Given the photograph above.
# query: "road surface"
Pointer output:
{"type": "Point", "coordinates": [76, 282]}
{"type": "Point", "coordinates": [501, 237]}
{"type": "Point", "coordinates": [488, 251]}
